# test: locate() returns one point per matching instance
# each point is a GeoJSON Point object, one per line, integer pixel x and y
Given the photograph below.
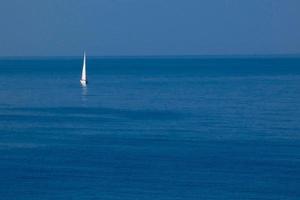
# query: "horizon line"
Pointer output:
{"type": "Point", "coordinates": [160, 56]}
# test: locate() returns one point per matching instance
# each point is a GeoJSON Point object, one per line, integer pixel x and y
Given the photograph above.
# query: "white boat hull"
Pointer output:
{"type": "Point", "coordinates": [83, 82]}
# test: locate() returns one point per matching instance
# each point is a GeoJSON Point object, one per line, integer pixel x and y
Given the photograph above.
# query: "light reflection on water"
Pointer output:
{"type": "Point", "coordinates": [84, 95]}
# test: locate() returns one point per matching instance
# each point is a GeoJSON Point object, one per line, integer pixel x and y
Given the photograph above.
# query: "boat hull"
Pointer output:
{"type": "Point", "coordinates": [83, 82]}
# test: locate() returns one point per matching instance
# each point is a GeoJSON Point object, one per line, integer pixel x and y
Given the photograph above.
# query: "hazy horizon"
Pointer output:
{"type": "Point", "coordinates": [160, 56]}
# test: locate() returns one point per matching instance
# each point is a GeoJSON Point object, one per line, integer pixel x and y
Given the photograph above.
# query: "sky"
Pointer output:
{"type": "Point", "coordinates": [149, 27]}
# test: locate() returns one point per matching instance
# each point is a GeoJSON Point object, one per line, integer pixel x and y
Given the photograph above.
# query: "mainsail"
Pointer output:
{"type": "Point", "coordinates": [83, 80]}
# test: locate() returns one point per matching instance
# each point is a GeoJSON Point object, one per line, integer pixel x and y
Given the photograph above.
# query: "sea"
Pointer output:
{"type": "Point", "coordinates": [150, 128]}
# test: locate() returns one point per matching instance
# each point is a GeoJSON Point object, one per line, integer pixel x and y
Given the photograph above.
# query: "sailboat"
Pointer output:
{"type": "Point", "coordinates": [83, 79]}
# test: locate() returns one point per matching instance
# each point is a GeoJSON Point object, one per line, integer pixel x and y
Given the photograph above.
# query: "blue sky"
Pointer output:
{"type": "Point", "coordinates": [149, 27]}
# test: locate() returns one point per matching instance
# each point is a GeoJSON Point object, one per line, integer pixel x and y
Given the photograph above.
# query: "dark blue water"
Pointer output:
{"type": "Point", "coordinates": [151, 128]}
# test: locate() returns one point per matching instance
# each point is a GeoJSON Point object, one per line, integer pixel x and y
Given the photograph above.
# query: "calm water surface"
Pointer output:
{"type": "Point", "coordinates": [151, 128]}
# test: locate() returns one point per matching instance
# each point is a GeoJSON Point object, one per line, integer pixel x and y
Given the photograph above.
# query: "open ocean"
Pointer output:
{"type": "Point", "coordinates": [150, 129]}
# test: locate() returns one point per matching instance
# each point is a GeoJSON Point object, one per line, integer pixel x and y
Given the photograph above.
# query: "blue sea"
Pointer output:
{"type": "Point", "coordinates": [150, 128]}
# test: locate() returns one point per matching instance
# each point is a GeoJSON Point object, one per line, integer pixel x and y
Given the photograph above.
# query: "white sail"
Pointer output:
{"type": "Point", "coordinates": [83, 80]}
{"type": "Point", "coordinates": [83, 76]}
